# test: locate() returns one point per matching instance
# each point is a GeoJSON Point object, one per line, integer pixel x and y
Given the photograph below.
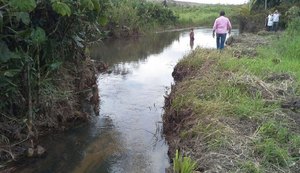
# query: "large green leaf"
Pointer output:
{"type": "Point", "coordinates": [61, 8]}
{"type": "Point", "coordinates": [11, 72]}
{"type": "Point", "coordinates": [96, 5]}
{"type": "Point", "coordinates": [5, 53]}
{"type": "Point", "coordinates": [87, 4]}
{"type": "Point", "coordinates": [102, 20]}
{"type": "Point", "coordinates": [23, 16]}
{"type": "Point", "coordinates": [23, 5]}
{"type": "Point", "coordinates": [55, 65]}
{"type": "Point", "coordinates": [38, 36]}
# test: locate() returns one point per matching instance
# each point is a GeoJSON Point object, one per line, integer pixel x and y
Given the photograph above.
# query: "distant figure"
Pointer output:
{"type": "Point", "coordinates": [270, 22]}
{"type": "Point", "coordinates": [221, 26]}
{"type": "Point", "coordinates": [192, 38]}
{"type": "Point", "coordinates": [266, 23]}
{"type": "Point", "coordinates": [275, 20]}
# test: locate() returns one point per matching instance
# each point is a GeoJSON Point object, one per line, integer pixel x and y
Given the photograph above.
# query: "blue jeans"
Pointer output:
{"type": "Point", "coordinates": [221, 40]}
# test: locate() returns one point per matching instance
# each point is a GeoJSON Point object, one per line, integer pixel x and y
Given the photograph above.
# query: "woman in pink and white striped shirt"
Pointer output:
{"type": "Point", "coordinates": [221, 26]}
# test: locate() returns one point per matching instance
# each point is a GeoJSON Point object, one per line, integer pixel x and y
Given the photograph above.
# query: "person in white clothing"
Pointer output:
{"type": "Point", "coordinates": [270, 22]}
{"type": "Point", "coordinates": [275, 20]}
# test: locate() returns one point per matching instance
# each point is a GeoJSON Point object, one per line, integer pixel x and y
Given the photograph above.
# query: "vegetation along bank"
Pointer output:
{"type": "Point", "coordinates": [47, 79]}
{"type": "Point", "coordinates": [45, 76]}
{"type": "Point", "coordinates": [238, 110]}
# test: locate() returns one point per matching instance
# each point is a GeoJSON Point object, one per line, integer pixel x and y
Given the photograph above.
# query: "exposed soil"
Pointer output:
{"type": "Point", "coordinates": [78, 81]}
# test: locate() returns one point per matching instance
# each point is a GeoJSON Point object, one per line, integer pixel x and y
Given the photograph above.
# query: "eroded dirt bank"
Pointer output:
{"type": "Point", "coordinates": [230, 117]}
{"type": "Point", "coordinates": [74, 100]}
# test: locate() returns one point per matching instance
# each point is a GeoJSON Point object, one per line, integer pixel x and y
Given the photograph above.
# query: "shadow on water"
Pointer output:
{"type": "Point", "coordinates": [79, 150]}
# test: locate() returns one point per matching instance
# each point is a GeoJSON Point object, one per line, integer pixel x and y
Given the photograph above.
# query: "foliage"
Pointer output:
{"type": "Point", "coordinates": [293, 15]}
{"type": "Point", "coordinates": [39, 37]}
{"type": "Point", "coordinates": [36, 38]}
{"type": "Point", "coordinates": [203, 15]}
{"type": "Point", "coordinates": [135, 16]}
{"type": "Point", "coordinates": [255, 4]}
{"type": "Point", "coordinates": [183, 164]}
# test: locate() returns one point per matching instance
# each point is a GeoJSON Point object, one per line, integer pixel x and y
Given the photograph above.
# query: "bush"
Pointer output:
{"type": "Point", "coordinates": [36, 39]}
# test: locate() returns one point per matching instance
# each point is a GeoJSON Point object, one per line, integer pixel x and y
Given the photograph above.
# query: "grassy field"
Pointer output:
{"type": "Point", "coordinates": [203, 15]}
{"type": "Point", "coordinates": [237, 110]}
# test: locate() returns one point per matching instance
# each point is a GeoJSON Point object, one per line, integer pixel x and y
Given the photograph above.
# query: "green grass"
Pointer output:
{"type": "Point", "coordinates": [221, 86]}
{"type": "Point", "coordinates": [250, 167]}
{"type": "Point", "coordinates": [183, 164]}
{"type": "Point", "coordinates": [272, 153]}
{"type": "Point", "coordinates": [203, 15]}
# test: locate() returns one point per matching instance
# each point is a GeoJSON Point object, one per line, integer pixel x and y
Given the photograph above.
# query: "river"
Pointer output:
{"type": "Point", "coordinates": [126, 136]}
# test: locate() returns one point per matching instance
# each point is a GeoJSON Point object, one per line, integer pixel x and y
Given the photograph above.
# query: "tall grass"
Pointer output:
{"type": "Point", "coordinates": [203, 15]}
{"type": "Point", "coordinates": [229, 88]}
{"type": "Point", "coordinates": [139, 16]}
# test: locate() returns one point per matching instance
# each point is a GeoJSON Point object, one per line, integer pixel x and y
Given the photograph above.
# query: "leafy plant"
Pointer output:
{"type": "Point", "coordinates": [183, 164]}
{"type": "Point", "coordinates": [36, 39]}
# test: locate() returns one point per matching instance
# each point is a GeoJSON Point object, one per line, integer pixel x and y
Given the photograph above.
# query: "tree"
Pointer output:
{"type": "Point", "coordinates": [260, 4]}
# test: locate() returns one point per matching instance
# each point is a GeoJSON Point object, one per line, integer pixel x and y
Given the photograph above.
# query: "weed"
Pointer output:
{"type": "Point", "coordinates": [250, 167]}
{"type": "Point", "coordinates": [275, 130]}
{"type": "Point", "coordinates": [183, 164]}
{"type": "Point", "coordinates": [272, 153]}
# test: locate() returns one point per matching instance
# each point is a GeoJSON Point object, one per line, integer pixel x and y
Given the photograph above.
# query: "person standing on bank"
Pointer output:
{"type": "Point", "coordinates": [270, 22]}
{"type": "Point", "coordinates": [221, 26]}
{"type": "Point", "coordinates": [275, 20]}
{"type": "Point", "coordinates": [192, 38]}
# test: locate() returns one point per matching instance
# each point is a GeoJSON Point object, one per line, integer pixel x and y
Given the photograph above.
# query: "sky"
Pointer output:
{"type": "Point", "coordinates": [217, 1]}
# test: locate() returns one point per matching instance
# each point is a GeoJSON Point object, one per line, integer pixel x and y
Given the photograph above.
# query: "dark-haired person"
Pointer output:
{"type": "Point", "coordinates": [192, 38]}
{"type": "Point", "coordinates": [192, 35]}
{"type": "Point", "coordinates": [221, 26]}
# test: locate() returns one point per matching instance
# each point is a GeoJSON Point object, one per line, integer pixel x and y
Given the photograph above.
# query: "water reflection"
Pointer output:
{"type": "Point", "coordinates": [132, 49]}
{"type": "Point", "coordinates": [126, 136]}
{"type": "Point", "coordinates": [106, 146]}
{"type": "Point", "coordinates": [84, 149]}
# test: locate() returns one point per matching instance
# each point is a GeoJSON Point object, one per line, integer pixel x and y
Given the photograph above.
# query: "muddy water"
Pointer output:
{"type": "Point", "coordinates": [126, 137]}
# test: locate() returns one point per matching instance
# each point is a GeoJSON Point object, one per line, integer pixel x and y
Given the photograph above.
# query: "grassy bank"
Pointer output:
{"type": "Point", "coordinates": [203, 15]}
{"type": "Point", "coordinates": [237, 110]}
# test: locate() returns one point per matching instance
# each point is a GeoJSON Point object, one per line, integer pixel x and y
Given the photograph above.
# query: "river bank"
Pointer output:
{"type": "Point", "coordinates": [78, 103]}
{"type": "Point", "coordinates": [236, 110]}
